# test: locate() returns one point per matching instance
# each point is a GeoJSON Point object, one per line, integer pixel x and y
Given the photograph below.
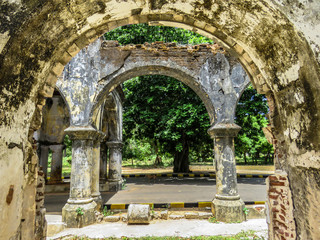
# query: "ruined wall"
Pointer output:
{"type": "Point", "coordinates": [275, 40]}
{"type": "Point", "coordinates": [215, 76]}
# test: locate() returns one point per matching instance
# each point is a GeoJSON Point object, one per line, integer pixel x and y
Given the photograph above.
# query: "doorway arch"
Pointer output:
{"type": "Point", "coordinates": [263, 35]}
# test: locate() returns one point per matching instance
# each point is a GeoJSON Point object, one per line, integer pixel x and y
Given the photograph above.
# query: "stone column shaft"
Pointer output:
{"type": "Point", "coordinates": [95, 192]}
{"type": "Point", "coordinates": [103, 161]}
{"type": "Point", "coordinates": [81, 170]}
{"type": "Point", "coordinates": [115, 165]}
{"type": "Point", "coordinates": [56, 163]}
{"type": "Point", "coordinates": [81, 178]}
{"type": "Point", "coordinates": [44, 154]}
{"type": "Point", "coordinates": [227, 205]}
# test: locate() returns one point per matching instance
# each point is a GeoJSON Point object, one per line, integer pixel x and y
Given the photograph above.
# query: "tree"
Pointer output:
{"type": "Point", "coordinates": [251, 116]}
{"type": "Point", "coordinates": [167, 112]}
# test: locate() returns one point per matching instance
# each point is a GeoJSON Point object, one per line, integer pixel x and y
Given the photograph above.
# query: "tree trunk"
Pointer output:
{"type": "Point", "coordinates": [266, 159]}
{"type": "Point", "coordinates": [181, 159]}
{"type": "Point", "coordinates": [245, 158]}
{"type": "Point", "coordinates": [158, 159]}
{"type": "Point", "coordinates": [256, 157]}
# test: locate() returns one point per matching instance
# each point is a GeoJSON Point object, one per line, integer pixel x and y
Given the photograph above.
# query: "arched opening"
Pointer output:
{"type": "Point", "coordinates": [267, 42]}
{"type": "Point", "coordinates": [252, 146]}
{"type": "Point", "coordinates": [51, 138]}
{"type": "Point", "coordinates": [168, 118]}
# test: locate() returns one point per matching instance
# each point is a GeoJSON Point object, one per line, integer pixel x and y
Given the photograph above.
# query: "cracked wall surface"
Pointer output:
{"type": "Point", "coordinates": [91, 75]}
{"type": "Point", "coordinates": [276, 42]}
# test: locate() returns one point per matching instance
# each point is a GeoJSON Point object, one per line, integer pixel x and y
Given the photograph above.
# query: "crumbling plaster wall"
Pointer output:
{"type": "Point", "coordinates": [275, 40]}
{"type": "Point", "coordinates": [97, 70]}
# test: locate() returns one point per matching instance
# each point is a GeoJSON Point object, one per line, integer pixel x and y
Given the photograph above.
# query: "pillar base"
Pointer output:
{"type": "Point", "coordinates": [75, 220]}
{"type": "Point", "coordinates": [115, 186]}
{"type": "Point", "coordinates": [98, 200]}
{"type": "Point", "coordinates": [228, 210]}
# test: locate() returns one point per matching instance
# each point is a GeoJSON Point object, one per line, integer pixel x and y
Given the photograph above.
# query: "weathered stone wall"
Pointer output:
{"type": "Point", "coordinates": [40, 220]}
{"type": "Point", "coordinates": [91, 75]}
{"type": "Point", "coordinates": [275, 40]}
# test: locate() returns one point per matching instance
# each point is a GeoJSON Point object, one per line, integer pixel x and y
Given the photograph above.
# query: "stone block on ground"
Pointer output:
{"type": "Point", "coordinates": [257, 211]}
{"type": "Point", "coordinates": [191, 215]}
{"type": "Point", "coordinates": [111, 218]}
{"type": "Point", "coordinates": [228, 210]}
{"type": "Point", "coordinates": [164, 214]}
{"type": "Point", "coordinates": [176, 217]}
{"type": "Point", "coordinates": [73, 219]}
{"type": "Point", "coordinates": [139, 214]}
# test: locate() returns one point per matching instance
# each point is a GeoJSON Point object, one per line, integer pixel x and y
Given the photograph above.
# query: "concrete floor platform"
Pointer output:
{"type": "Point", "coordinates": [181, 228]}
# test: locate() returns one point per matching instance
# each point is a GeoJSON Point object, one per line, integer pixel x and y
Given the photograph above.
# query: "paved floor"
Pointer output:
{"type": "Point", "coordinates": [181, 228]}
{"type": "Point", "coordinates": [165, 190]}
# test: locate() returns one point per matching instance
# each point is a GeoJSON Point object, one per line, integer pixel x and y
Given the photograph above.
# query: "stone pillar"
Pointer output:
{"type": "Point", "coordinates": [115, 164]}
{"type": "Point", "coordinates": [227, 205]}
{"type": "Point", "coordinates": [95, 192]}
{"type": "Point", "coordinates": [79, 210]}
{"type": "Point", "coordinates": [103, 161]}
{"type": "Point", "coordinates": [56, 163]}
{"type": "Point", "coordinates": [44, 154]}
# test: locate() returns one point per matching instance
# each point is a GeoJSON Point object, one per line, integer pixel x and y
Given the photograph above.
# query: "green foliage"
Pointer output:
{"type": "Point", "coordinates": [165, 112]}
{"type": "Point", "coordinates": [141, 33]}
{"type": "Point", "coordinates": [107, 212]}
{"type": "Point", "coordinates": [79, 211]}
{"type": "Point", "coordinates": [251, 116]}
{"type": "Point", "coordinates": [213, 220]}
{"type": "Point", "coordinates": [245, 211]}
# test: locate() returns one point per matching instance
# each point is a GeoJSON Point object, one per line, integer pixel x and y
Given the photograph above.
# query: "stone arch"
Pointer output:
{"type": "Point", "coordinates": [38, 39]}
{"type": "Point", "coordinates": [182, 75]}
{"type": "Point", "coordinates": [113, 107]}
{"type": "Point", "coordinates": [50, 137]}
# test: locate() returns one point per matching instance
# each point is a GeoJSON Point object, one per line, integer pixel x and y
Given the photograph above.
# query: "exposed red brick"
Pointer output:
{"type": "Point", "coordinates": [282, 217]}
{"type": "Point", "coordinates": [273, 196]}
{"type": "Point", "coordinates": [277, 183]}
{"type": "Point", "coordinates": [273, 178]}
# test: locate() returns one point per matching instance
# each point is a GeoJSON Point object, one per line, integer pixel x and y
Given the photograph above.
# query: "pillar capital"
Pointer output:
{"type": "Point", "coordinates": [115, 144]}
{"type": "Point", "coordinates": [84, 133]}
{"type": "Point", "coordinates": [224, 130]}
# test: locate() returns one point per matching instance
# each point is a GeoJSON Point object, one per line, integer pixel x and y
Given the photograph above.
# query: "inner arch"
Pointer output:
{"type": "Point", "coordinates": [155, 70]}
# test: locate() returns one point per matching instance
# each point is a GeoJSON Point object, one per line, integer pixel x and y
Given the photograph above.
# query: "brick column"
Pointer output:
{"type": "Point", "coordinates": [280, 218]}
{"type": "Point", "coordinates": [227, 205]}
{"type": "Point", "coordinates": [115, 164]}
{"type": "Point", "coordinates": [81, 178]}
{"type": "Point", "coordinates": [56, 163]}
